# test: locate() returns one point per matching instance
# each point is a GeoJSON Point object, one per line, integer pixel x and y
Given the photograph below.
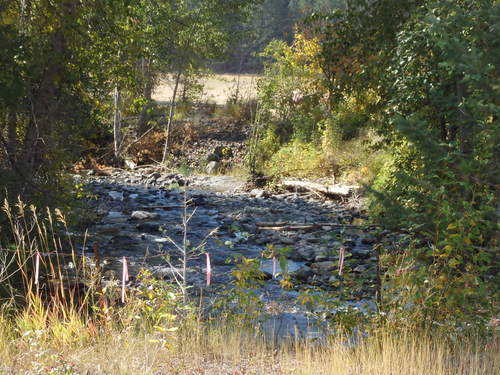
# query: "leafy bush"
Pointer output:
{"type": "Point", "coordinates": [300, 132]}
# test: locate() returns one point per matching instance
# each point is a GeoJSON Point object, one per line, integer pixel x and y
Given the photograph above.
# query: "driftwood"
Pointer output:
{"type": "Point", "coordinates": [334, 191]}
{"type": "Point", "coordinates": [283, 226]}
{"type": "Point", "coordinates": [164, 207]}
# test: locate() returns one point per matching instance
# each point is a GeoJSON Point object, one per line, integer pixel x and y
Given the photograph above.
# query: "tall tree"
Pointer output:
{"type": "Point", "coordinates": [434, 66]}
{"type": "Point", "coordinates": [54, 72]}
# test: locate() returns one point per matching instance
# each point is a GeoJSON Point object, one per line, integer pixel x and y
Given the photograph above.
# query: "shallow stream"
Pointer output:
{"type": "Point", "coordinates": [141, 218]}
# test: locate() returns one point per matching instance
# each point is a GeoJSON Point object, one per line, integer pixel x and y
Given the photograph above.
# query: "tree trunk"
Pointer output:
{"type": "Point", "coordinates": [117, 124]}
{"type": "Point", "coordinates": [334, 191]}
{"type": "Point", "coordinates": [46, 99]}
{"type": "Point", "coordinates": [147, 92]}
{"type": "Point", "coordinates": [170, 119]}
{"type": "Point", "coordinates": [12, 135]}
{"type": "Point", "coordinates": [465, 122]}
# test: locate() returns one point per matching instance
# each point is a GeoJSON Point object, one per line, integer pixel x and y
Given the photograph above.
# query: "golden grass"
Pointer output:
{"type": "Point", "coordinates": [217, 351]}
{"type": "Point", "coordinates": [218, 88]}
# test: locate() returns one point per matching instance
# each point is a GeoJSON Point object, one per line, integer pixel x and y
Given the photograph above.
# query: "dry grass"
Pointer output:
{"type": "Point", "coordinates": [218, 351]}
{"type": "Point", "coordinates": [217, 89]}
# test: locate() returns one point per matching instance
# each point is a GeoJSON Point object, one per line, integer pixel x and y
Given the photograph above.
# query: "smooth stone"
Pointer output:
{"type": "Point", "coordinates": [305, 253]}
{"type": "Point", "coordinates": [109, 229]}
{"type": "Point", "coordinates": [368, 240]}
{"type": "Point", "coordinates": [262, 240]}
{"type": "Point", "coordinates": [359, 269]}
{"type": "Point", "coordinates": [117, 196]}
{"type": "Point", "coordinates": [287, 241]}
{"type": "Point", "coordinates": [144, 215]}
{"type": "Point", "coordinates": [115, 214]}
{"type": "Point", "coordinates": [218, 259]}
{"type": "Point", "coordinates": [349, 242]}
{"type": "Point", "coordinates": [259, 193]}
{"type": "Point", "coordinates": [361, 253]}
{"type": "Point", "coordinates": [121, 240]}
{"type": "Point", "coordinates": [148, 227]}
{"type": "Point", "coordinates": [212, 167]}
{"type": "Point", "coordinates": [321, 258]}
{"type": "Point", "coordinates": [324, 266]}
{"type": "Point", "coordinates": [333, 279]}
{"type": "Point", "coordinates": [130, 164]}
{"type": "Point", "coordinates": [303, 273]}
{"type": "Point", "coordinates": [313, 240]}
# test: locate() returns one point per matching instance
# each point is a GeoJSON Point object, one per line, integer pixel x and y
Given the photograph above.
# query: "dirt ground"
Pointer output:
{"type": "Point", "coordinates": [218, 88]}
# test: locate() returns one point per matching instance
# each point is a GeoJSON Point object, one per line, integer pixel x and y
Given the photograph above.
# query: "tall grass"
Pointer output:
{"type": "Point", "coordinates": [204, 350]}
{"type": "Point", "coordinates": [52, 329]}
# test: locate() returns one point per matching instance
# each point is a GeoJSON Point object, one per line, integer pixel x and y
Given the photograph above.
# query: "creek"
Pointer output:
{"type": "Point", "coordinates": [141, 215]}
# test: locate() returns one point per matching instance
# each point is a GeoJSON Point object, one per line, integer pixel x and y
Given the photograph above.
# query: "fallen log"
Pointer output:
{"type": "Point", "coordinates": [334, 191]}
{"type": "Point", "coordinates": [163, 207]}
{"type": "Point", "coordinates": [283, 226]}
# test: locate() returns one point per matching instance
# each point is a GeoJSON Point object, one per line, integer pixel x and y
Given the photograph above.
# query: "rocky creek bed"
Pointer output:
{"type": "Point", "coordinates": [138, 210]}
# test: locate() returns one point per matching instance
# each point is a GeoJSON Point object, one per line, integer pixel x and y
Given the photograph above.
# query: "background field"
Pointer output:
{"type": "Point", "coordinates": [217, 89]}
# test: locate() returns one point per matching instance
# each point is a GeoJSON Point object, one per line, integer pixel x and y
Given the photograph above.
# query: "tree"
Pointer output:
{"type": "Point", "coordinates": [434, 65]}
{"type": "Point", "coordinates": [55, 65]}
{"type": "Point", "coordinates": [170, 38]}
{"type": "Point", "coordinates": [61, 60]}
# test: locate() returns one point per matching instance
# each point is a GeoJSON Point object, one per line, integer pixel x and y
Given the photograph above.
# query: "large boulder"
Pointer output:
{"type": "Point", "coordinates": [212, 167]}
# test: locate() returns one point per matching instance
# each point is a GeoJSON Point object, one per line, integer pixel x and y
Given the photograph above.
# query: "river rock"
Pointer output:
{"type": "Point", "coordinates": [238, 211]}
{"type": "Point", "coordinates": [333, 279]}
{"type": "Point", "coordinates": [322, 267]}
{"type": "Point", "coordinates": [361, 268]}
{"type": "Point", "coordinates": [305, 253]}
{"type": "Point", "coordinates": [370, 240]}
{"type": "Point", "coordinates": [321, 258]}
{"type": "Point", "coordinates": [303, 273]}
{"type": "Point", "coordinates": [148, 227]}
{"type": "Point", "coordinates": [121, 239]}
{"type": "Point", "coordinates": [212, 167]}
{"type": "Point", "coordinates": [115, 195]}
{"type": "Point", "coordinates": [130, 164]}
{"type": "Point", "coordinates": [144, 215]}
{"type": "Point", "coordinates": [361, 253]}
{"type": "Point", "coordinates": [312, 239]}
{"type": "Point", "coordinates": [259, 193]}
{"type": "Point", "coordinates": [115, 214]}
{"type": "Point", "coordinates": [287, 241]}
{"type": "Point", "coordinates": [349, 242]}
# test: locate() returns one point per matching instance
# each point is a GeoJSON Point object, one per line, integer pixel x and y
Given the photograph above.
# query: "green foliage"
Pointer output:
{"type": "Point", "coordinates": [155, 305]}
{"type": "Point", "coordinates": [290, 105]}
{"type": "Point", "coordinates": [309, 6]}
{"type": "Point", "coordinates": [301, 130]}
{"type": "Point", "coordinates": [247, 273]}
{"type": "Point", "coordinates": [54, 89]}
{"type": "Point", "coordinates": [435, 69]}
{"type": "Point", "coordinates": [62, 59]}
{"type": "Point", "coordinates": [297, 159]}
{"type": "Point", "coordinates": [240, 302]}
{"type": "Point", "coordinates": [445, 184]}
